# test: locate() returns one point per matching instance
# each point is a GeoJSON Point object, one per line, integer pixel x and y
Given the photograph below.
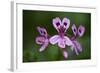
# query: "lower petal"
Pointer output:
{"type": "Point", "coordinates": [78, 46]}
{"type": "Point", "coordinates": [54, 39]}
{"type": "Point", "coordinates": [61, 43]}
{"type": "Point", "coordinates": [43, 47]}
{"type": "Point", "coordinates": [65, 54]}
{"type": "Point", "coordinates": [68, 41]}
{"type": "Point", "coordinates": [74, 49]}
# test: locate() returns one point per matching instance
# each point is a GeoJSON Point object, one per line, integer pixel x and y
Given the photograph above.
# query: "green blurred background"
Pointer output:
{"type": "Point", "coordinates": [32, 19]}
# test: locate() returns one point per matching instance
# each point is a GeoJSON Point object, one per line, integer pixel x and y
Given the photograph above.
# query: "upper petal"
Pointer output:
{"type": "Point", "coordinates": [61, 43]}
{"type": "Point", "coordinates": [54, 39]}
{"type": "Point", "coordinates": [68, 41]}
{"type": "Point", "coordinates": [42, 31]}
{"type": "Point", "coordinates": [56, 23]}
{"type": "Point", "coordinates": [74, 29]}
{"type": "Point", "coordinates": [66, 23]}
{"type": "Point", "coordinates": [40, 40]}
{"type": "Point", "coordinates": [81, 30]}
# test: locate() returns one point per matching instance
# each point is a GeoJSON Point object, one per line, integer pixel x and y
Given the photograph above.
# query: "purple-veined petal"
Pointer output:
{"type": "Point", "coordinates": [54, 39]}
{"type": "Point", "coordinates": [43, 47]}
{"type": "Point", "coordinates": [65, 54]}
{"type": "Point", "coordinates": [74, 29]}
{"type": "Point", "coordinates": [42, 31]}
{"type": "Point", "coordinates": [61, 43]}
{"type": "Point", "coordinates": [66, 23]}
{"type": "Point", "coordinates": [81, 30]}
{"type": "Point", "coordinates": [68, 41]}
{"type": "Point", "coordinates": [40, 40]}
{"type": "Point", "coordinates": [56, 23]}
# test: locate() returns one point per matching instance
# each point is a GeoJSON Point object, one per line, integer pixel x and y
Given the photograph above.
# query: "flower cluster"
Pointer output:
{"type": "Point", "coordinates": [61, 38]}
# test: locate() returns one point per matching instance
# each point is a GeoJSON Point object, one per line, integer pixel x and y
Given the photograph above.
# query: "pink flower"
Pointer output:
{"type": "Point", "coordinates": [78, 32]}
{"type": "Point", "coordinates": [61, 39]}
{"type": "Point", "coordinates": [43, 39]}
{"type": "Point", "coordinates": [61, 27]}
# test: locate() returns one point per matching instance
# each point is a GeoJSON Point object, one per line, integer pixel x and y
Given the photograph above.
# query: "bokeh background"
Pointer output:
{"type": "Point", "coordinates": [32, 19]}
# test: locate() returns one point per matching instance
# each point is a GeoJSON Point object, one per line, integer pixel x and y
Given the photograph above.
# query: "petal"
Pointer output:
{"type": "Point", "coordinates": [72, 48]}
{"type": "Point", "coordinates": [66, 23]}
{"type": "Point", "coordinates": [81, 30]}
{"type": "Point", "coordinates": [68, 41]}
{"type": "Point", "coordinates": [65, 54]}
{"type": "Point", "coordinates": [42, 31]}
{"type": "Point", "coordinates": [78, 46]}
{"type": "Point", "coordinates": [43, 47]}
{"type": "Point", "coordinates": [74, 29]}
{"type": "Point", "coordinates": [56, 23]}
{"type": "Point", "coordinates": [54, 39]}
{"type": "Point", "coordinates": [61, 43]}
{"type": "Point", "coordinates": [39, 30]}
{"type": "Point", "coordinates": [40, 40]}
{"type": "Point", "coordinates": [75, 49]}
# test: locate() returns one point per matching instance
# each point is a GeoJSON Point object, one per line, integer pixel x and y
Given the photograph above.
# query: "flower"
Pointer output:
{"type": "Point", "coordinates": [78, 32]}
{"type": "Point", "coordinates": [43, 39]}
{"type": "Point", "coordinates": [61, 27]}
{"type": "Point", "coordinates": [61, 39]}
